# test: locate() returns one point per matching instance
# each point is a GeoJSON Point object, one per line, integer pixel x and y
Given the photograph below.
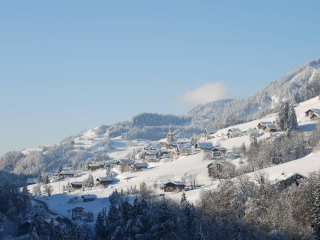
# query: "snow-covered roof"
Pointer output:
{"type": "Point", "coordinates": [105, 179]}
{"type": "Point", "coordinates": [89, 196]}
{"type": "Point", "coordinates": [77, 183]}
{"type": "Point", "coordinates": [183, 146]}
{"type": "Point", "coordinates": [270, 126]}
{"type": "Point", "coordinates": [204, 145]}
{"type": "Point", "coordinates": [31, 181]}
{"type": "Point", "coordinates": [141, 164]}
{"type": "Point", "coordinates": [183, 140]}
{"type": "Point", "coordinates": [219, 149]}
{"type": "Point", "coordinates": [152, 152]}
{"type": "Point", "coordinates": [234, 130]}
{"type": "Point", "coordinates": [179, 183]}
{"type": "Point", "coordinates": [265, 123]}
{"type": "Point", "coordinates": [316, 112]}
{"type": "Point", "coordinates": [125, 161]}
{"type": "Point", "coordinates": [68, 172]}
{"type": "Point", "coordinates": [151, 157]}
{"type": "Point", "coordinates": [286, 176]}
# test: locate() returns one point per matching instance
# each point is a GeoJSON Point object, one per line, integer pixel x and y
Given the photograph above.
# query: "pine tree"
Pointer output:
{"type": "Point", "coordinates": [287, 118]}
{"type": "Point", "coordinates": [315, 213]}
{"type": "Point", "coordinates": [57, 235]}
{"type": "Point", "coordinates": [183, 199]}
{"type": "Point", "coordinates": [100, 227]}
{"type": "Point", "coordinates": [73, 233]}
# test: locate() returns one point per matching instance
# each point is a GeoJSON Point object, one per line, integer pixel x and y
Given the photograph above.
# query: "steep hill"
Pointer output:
{"type": "Point", "coordinates": [301, 84]}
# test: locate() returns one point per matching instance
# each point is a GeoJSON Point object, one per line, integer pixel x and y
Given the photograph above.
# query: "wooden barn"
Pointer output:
{"type": "Point", "coordinates": [76, 185]}
{"type": "Point", "coordinates": [234, 132]}
{"type": "Point", "coordinates": [173, 186]}
{"type": "Point", "coordinates": [139, 166]}
{"type": "Point", "coordinates": [66, 174]}
{"type": "Point", "coordinates": [261, 125]}
{"type": "Point", "coordinates": [270, 128]}
{"type": "Point", "coordinates": [89, 197]}
{"type": "Point", "coordinates": [203, 146]}
{"type": "Point", "coordinates": [104, 181]}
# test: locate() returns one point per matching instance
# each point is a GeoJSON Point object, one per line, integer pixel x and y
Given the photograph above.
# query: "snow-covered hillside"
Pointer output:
{"type": "Point", "coordinates": [182, 168]}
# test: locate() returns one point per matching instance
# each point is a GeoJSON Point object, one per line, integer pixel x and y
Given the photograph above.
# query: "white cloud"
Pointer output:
{"type": "Point", "coordinates": [206, 93]}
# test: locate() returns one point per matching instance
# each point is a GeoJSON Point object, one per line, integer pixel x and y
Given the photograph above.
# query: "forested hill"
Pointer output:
{"type": "Point", "coordinates": [301, 84]}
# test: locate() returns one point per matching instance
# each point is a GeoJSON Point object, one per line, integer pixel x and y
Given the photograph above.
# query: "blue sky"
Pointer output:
{"type": "Point", "coordinates": [66, 66]}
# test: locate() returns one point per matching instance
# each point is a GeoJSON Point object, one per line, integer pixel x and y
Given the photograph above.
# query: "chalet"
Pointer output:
{"type": "Point", "coordinates": [286, 180]}
{"type": "Point", "coordinates": [184, 149]}
{"type": "Point", "coordinates": [31, 181]}
{"type": "Point", "coordinates": [77, 213]}
{"type": "Point", "coordinates": [89, 197]}
{"type": "Point", "coordinates": [221, 169]}
{"type": "Point", "coordinates": [104, 180]}
{"type": "Point", "coordinates": [66, 174]}
{"type": "Point", "coordinates": [153, 152]}
{"type": "Point", "coordinates": [234, 132]}
{"type": "Point", "coordinates": [261, 125]}
{"type": "Point", "coordinates": [95, 166]}
{"type": "Point", "coordinates": [270, 128]}
{"type": "Point", "coordinates": [218, 151]}
{"type": "Point", "coordinates": [151, 158]}
{"type": "Point", "coordinates": [210, 131]}
{"type": "Point", "coordinates": [203, 146]}
{"type": "Point", "coordinates": [125, 162]}
{"type": "Point", "coordinates": [76, 185]}
{"type": "Point", "coordinates": [173, 186]}
{"type": "Point", "coordinates": [139, 166]}
{"type": "Point", "coordinates": [315, 115]}
{"type": "Point", "coordinates": [152, 147]}
{"type": "Point", "coordinates": [309, 112]}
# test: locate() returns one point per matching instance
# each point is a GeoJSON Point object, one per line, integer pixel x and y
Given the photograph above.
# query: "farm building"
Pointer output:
{"type": "Point", "coordinates": [174, 186]}
{"type": "Point", "coordinates": [104, 180]}
{"type": "Point", "coordinates": [270, 128]}
{"type": "Point", "coordinates": [76, 185]}
{"type": "Point", "coordinates": [261, 125]}
{"type": "Point", "coordinates": [66, 174]}
{"type": "Point", "coordinates": [203, 146]}
{"type": "Point", "coordinates": [139, 166]}
{"type": "Point", "coordinates": [184, 149]}
{"type": "Point", "coordinates": [89, 197]}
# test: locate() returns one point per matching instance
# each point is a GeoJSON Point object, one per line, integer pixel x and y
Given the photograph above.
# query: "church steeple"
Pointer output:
{"type": "Point", "coordinates": [170, 137]}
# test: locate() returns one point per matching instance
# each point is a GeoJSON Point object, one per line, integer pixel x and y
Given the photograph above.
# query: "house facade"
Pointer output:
{"type": "Point", "coordinates": [76, 185]}
{"type": "Point", "coordinates": [104, 181]}
{"type": "Point", "coordinates": [139, 166]}
{"type": "Point", "coordinates": [77, 213]}
{"type": "Point", "coordinates": [173, 186]}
